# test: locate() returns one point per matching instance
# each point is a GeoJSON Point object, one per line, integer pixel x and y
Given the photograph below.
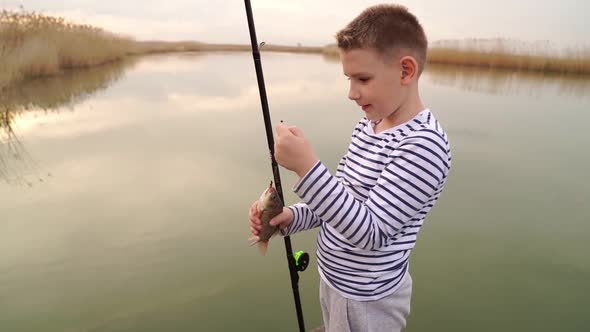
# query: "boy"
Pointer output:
{"type": "Point", "coordinates": [395, 168]}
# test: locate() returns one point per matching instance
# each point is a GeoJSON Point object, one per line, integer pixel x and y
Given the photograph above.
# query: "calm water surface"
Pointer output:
{"type": "Point", "coordinates": [124, 194]}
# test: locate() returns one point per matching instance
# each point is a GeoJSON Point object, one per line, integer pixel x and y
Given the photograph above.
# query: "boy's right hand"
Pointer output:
{"type": "Point", "coordinates": [282, 220]}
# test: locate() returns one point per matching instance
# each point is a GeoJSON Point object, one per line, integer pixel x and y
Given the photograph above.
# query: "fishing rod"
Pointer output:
{"type": "Point", "coordinates": [299, 262]}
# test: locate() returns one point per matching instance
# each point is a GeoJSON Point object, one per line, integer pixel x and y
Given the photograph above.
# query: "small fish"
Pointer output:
{"type": "Point", "coordinates": [269, 206]}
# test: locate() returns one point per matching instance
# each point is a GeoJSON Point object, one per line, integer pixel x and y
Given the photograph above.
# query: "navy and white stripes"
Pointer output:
{"type": "Point", "coordinates": [371, 211]}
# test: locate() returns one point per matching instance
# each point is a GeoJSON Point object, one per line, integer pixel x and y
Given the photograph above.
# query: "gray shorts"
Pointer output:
{"type": "Point", "coordinates": [387, 314]}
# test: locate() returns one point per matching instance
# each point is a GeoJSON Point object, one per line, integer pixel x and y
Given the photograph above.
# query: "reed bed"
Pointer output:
{"type": "Point", "coordinates": [503, 54]}
{"type": "Point", "coordinates": [513, 55]}
{"type": "Point", "coordinates": [34, 45]}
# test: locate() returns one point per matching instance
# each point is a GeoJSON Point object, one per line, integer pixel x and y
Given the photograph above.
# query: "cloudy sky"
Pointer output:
{"type": "Point", "coordinates": [314, 22]}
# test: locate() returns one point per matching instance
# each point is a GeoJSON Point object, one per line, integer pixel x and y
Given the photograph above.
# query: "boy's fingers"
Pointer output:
{"type": "Point", "coordinates": [254, 209]}
{"type": "Point", "coordinates": [255, 222]}
{"type": "Point", "coordinates": [280, 129]}
{"type": "Point", "coordinates": [296, 131]}
{"type": "Point", "coordinates": [284, 130]}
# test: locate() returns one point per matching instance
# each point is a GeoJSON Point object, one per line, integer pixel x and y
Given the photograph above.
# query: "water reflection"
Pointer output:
{"type": "Point", "coordinates": [45, 95]}
{"type": "Point", "coordinates": [15, 161]}
{"type": "Point", "coordinates": [143, 228]}
{"type": "Point", "coordinates": [502, 82]}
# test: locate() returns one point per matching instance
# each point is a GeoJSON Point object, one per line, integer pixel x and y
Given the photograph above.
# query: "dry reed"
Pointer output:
{"type": "Point", "coordinates": [513, 55]}
{"type": "Point", "coordinates": [34, 45]}
{"type": "Point", "coordinates": [503, 54]}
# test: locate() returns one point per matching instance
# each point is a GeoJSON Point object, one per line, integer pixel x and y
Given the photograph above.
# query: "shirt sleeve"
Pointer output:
{"type": "Point", "coordinates": [410, 181]}
{"type": "Point", "coordinates": [303, 219]}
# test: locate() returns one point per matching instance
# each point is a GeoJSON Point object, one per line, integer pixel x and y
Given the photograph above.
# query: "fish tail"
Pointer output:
{"type": "Point", "coordinates": [262, 247]}
{"type": "Point", "coordinates": [253, 240]}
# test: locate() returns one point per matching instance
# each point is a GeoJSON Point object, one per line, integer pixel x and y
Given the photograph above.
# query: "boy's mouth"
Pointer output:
{"type": "Point", "coordinates": [366, 107]}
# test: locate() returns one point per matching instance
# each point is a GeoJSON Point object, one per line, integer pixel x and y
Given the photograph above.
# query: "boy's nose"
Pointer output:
{"type": "Point", "coordinates": [353, 94]}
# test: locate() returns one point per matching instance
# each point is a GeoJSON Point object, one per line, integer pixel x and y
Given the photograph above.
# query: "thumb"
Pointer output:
{"type": "Point", "coordinates": [296, 131]}
{"type": "Point", "coordinates": [281, 129]}
{"type": "Point", "coordinates": [279, 219]}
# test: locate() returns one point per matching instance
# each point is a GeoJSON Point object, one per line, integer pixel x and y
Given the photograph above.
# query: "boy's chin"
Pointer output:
{"type": "Point", "coordinates": [372, 117]}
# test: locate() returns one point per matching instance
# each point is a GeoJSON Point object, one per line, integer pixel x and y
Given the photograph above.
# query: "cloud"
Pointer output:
{"type": "Point", "coordinates": [281, 93]}
{"type": "Point", "coordinates": [315, 22]}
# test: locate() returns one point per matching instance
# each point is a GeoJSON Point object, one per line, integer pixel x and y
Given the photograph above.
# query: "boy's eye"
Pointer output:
{"type": "Point", "coordinates": [361, 79]}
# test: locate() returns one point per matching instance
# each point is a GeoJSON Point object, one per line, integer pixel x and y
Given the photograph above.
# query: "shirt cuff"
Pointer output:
{"type": "Point", "coordinates": [296, 216]}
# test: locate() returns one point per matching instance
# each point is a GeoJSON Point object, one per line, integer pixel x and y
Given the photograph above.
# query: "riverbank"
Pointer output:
{"type": "Point", "coordinates": [574, 62]}
{"type": "Point", "coordinates": [35, 45]}
{"type": "Point", "coordinates": [493, 54]}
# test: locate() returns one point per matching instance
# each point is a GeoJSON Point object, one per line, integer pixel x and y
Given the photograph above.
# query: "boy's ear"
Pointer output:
{"type": "Point", "coordinates": [409, 69]}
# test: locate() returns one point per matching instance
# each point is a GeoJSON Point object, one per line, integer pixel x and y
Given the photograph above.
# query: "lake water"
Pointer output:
{"type": "Point", "coordinates": [124, 193]}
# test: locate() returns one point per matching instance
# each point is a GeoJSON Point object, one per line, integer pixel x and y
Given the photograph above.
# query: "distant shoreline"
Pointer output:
{"type": "Point", "coordinates": [26, 52]}
{"type": "Point", "coordinates": [437, 56]}
{"type": "Point", "coordinates": [147, 47]}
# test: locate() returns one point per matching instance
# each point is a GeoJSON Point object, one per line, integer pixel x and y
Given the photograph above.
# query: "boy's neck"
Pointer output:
{"type": "Point", "coordinates": [406, 112]}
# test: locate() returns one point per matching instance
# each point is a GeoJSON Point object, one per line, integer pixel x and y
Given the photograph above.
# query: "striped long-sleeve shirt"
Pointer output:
{"type": "Point", "coordinates": [370, 212]}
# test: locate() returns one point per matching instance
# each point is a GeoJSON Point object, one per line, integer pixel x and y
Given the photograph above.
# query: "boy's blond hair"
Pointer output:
{"type": "Point", "coordinates": [390, 29]}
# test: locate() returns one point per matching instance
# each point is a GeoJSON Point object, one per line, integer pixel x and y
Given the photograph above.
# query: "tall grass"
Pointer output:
{"type": "Point", "coordinates": [503, 54]}
{"type": "Point", "coordinates": [507, 54]}
{"type": "Point", "coordinates": [33, 45]}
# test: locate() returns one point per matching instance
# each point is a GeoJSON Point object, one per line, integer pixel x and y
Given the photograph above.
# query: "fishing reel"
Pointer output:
{"type": "Point", "coordinates": [301, 260]}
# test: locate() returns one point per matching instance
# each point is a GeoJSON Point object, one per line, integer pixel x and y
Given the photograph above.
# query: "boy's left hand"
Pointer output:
{"type": "Point", "coordinates": [293, 151]}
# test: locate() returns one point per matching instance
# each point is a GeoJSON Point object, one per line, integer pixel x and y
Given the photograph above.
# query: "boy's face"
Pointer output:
{"type": "Point", "coordinates": [375, 84]}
